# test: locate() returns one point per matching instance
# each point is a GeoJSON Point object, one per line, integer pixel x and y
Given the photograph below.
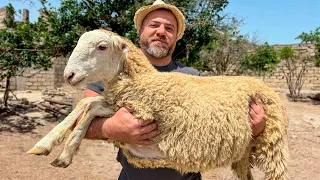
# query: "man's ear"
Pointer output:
{"type": "Point", "coordinates": [120, 45]}
{"type": "Point", "coordinates": [140, 32]}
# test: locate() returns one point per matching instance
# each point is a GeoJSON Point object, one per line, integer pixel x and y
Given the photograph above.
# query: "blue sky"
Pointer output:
{"type": "Point", "coordinates": [25, 4]}
{"type": "Point", "coordinates": [275, 21]}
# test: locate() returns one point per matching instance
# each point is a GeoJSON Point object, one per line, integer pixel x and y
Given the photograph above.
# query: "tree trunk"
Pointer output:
{"type": "Point", "coordinates": [6, 92]}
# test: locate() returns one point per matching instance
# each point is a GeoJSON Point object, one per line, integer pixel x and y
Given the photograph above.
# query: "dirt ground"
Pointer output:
{"type": "Point", "coordinates": [97, 159]}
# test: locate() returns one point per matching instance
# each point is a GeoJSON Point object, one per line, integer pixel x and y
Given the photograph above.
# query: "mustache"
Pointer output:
{"type": "Point", "coordinates": [164, 39]}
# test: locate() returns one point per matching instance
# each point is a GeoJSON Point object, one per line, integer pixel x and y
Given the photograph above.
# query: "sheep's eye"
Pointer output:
{"type": "Point", "coordinates": [102, 47]}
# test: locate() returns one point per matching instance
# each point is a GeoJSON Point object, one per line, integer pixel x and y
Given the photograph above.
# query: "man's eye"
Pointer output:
{"type": "Point", "coordinates": [101, 47]}
{"type": "Point", "coordinates": [170, 29]}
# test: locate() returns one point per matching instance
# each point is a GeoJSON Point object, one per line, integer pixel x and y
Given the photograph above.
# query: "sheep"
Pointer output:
{"type": "Point", "coordinates": [204, 121]}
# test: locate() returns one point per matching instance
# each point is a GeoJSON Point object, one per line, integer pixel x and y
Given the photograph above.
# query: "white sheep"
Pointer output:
{"type": "Point", "coordinates": [204, 121]}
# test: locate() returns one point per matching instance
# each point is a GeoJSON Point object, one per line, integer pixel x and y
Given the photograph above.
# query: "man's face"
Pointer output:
{"type": "Point", "coordinates": [158, 34]}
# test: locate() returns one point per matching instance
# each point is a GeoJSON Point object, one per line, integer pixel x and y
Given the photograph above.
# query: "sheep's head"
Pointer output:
{"type": "Point", "coordinates": [98, 56]}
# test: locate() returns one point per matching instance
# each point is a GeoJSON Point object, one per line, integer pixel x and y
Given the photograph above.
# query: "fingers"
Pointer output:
{"type": "Point", "coordinates": [256, 108]}
{"type": "Point", "coordinates": [150, 135]}
{"type": "Point", "coordinates": [148, 128]}
{"type": "Point", "coordinates": [144, 122]}
{"type": "Point", "coordinates": [127, 109]}
{"type": "Point", "coordinates": [147, 132]}
{"type": "Point", "coordinates": [145, 138]}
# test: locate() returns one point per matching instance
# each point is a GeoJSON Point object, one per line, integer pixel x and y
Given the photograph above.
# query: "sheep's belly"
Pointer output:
{"type": "Point", "coordinates": [145, 152]}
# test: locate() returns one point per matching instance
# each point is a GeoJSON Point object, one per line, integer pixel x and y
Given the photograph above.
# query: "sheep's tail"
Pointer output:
{"type": "Point", "coordinates": [271, 152]}
{"type": "Point", "coordinates": [273, 158]}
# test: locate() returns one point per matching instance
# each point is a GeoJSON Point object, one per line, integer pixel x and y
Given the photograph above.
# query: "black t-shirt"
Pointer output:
{"type": "Point", "coordinates": [129, 172]}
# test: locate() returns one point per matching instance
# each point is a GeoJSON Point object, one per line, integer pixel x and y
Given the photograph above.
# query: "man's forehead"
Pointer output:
{"type": "Point", "coordinates": [163, 14]}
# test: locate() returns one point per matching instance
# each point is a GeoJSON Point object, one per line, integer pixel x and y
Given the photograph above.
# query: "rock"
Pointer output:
{"type": "Point", "coordinates": [315, 96]}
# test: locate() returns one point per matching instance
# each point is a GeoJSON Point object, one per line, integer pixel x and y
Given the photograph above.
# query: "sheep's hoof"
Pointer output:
{"type": "Point", "coordinates": [39, 151]}
{"type": "Point", "coordinates": [59, 163]}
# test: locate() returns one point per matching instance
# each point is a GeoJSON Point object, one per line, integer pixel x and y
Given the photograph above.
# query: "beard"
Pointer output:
{"type": "Point", "coordinates": [157, 50]}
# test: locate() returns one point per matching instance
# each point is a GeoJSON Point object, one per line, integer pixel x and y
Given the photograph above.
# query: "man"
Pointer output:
{"type": "Point", "coordinates": [160, 26]}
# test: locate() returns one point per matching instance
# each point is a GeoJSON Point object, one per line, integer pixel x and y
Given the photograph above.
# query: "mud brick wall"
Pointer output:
{"type": "Point", "coordinates": [58, 66]}
{"type": "Point", "coordinates": [50, 79]}
{"type": "Point", "coordinates": [277, 78]}
{"type": "Point", "coordinates": [40, 81]}
{"type": "Point", "coordinates": [3, 15]}
{"type": "Point", "coordinates": [35, 79]}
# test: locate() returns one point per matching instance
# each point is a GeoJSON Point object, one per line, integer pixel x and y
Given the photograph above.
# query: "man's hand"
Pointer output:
{"type": "Point", "coordinates": [124, 127]}
{"type": "Point", "coordinates": [257, 118]}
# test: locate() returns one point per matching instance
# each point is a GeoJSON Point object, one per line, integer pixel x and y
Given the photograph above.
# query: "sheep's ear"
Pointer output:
{"type": "Point", "coordinates": [120, 45]}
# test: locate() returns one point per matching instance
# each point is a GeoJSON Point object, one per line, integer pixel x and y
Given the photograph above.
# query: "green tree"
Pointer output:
{"type": "Point", "coordinates": [294, 68]}
{"type": "Point", "coordinates": [223, 56]}
{"type": "Point", "coordinates": [262, 60]}
{"type": "Point", "coordinates": [67, 22]}
{"type": "Point", "coordinates": [21, 47]}
{"type": "Point", "coordinates": [314, 38]}
{"type": "Point", "coordinates": [74, 17]}
{"type": "Point", "coordinates": [203, 18]}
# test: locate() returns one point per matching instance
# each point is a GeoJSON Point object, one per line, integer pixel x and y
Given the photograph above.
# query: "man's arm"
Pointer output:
{"type": "Point", "coordinates": [122, 126]}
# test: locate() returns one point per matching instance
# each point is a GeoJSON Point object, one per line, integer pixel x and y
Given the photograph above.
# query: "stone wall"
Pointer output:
{"type": "Point", "coordinates": [277, 78]}
{"type": "Point", "coordinates": [58, 66]}
{"type": "Point", "coordinates": [35, 79]}
{"type": "Point", "coordinates": [40, 81]}
{"type": "Point", "coordinates": [3, 15]}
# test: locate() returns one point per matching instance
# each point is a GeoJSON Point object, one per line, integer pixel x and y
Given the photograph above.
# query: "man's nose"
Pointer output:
{"type": "Point", "coordinates": [161, 31]}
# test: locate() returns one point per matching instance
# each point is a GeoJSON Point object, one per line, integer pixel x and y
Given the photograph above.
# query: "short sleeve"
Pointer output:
{"type": "Point", "coordinates": [97, 87]}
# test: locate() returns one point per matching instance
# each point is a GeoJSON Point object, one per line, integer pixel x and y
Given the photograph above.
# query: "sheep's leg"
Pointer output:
{"type": "Point", "coordinates": [272, 158]}
{"type": "Point", "coordinates": [243, 167]}
{"type": "Point", "coordinates": [97, 108]}
{"type": "Point", "coordinates": [57, 134]}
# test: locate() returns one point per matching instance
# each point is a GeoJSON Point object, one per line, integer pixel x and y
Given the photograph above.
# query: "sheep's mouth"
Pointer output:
{"type": "Point", "coordinates": [76, 81]}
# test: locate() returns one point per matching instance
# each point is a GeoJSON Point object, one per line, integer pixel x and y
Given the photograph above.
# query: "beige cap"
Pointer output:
{"type": "Point", "coordinates": [143, 11]}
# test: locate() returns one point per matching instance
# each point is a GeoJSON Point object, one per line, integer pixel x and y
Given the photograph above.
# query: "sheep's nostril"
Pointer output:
{"type": "Point", "coordinates": [69, 77]}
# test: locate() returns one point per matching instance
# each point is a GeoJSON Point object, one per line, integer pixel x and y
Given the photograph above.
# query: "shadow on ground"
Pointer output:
{"type": "Point", "coordinates": [10, 122]}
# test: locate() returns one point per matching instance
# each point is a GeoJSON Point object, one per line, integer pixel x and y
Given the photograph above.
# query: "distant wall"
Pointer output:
{"type": "Point", "coordinates": [3, 15]}
{"type": "Point", "coordinates": [41, 80]}
{"type": "Point", "coordinates": [50, 79]}
{"type": "Point", "coordinates": [277, 78]}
